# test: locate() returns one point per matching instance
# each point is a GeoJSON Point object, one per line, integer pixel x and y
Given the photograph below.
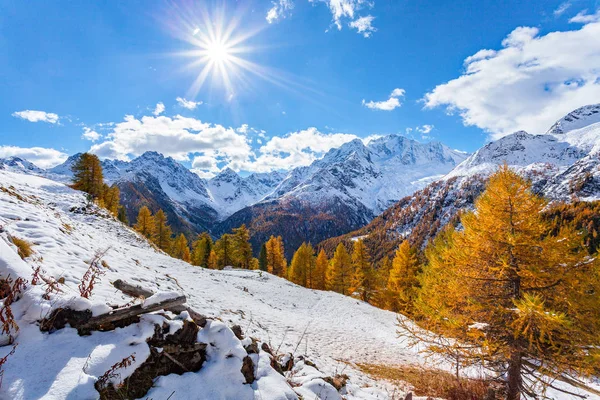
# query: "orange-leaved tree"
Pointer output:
{"type": "Point", "coordinates": [512, 295]}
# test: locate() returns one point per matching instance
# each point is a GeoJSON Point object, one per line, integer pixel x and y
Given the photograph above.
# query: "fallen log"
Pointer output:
{"type": "Point", "coordinates": [132, 290]}
{"type": "Point", "coordinates": [127, 313]}
{"type": "Point", "coordinates": [138, 291]}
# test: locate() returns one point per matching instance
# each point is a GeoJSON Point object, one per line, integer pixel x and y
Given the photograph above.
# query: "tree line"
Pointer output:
{"type": "Point", "coordinates": [512, 290]}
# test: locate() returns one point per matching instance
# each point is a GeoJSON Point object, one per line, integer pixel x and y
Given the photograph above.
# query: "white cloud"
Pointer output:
{"type": "Point", "coordinates": [295, 149]}
{"type": "Point", "coordinates": [37, 116]}
{"type": "Point", "coordinates": [562, 8]}
{"type": "Point", "coordinates": [160, 108]}
{"type": "Point", "coordinates": [424, 129]}
{"type": "Point", "coordinates": [189, 104]}
{"type": "Point", "coordinates": [346, 10]}
{"type": "Point", "coordinates": [387, 105]}
{"type": "Point", "coordinates": [584, 18]}
{"type": "Point", "coordinates": [177, 137]}
{"type": "Point", "coordinates": [280, 9]}
{"type": "Point", "coordinates": [40, 156]}
{"type": "Point", "coordinates": [364, 25]}
{"type": "Point", "coordinates": [528, 84]}
{"type": "Point", "coordinates": [90, 134]}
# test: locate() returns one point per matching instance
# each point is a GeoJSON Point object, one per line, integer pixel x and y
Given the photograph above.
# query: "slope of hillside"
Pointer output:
{"type": "Point", "coordinates": [329, 328]}
{"type": "Point", "coordinates": [332, 330]}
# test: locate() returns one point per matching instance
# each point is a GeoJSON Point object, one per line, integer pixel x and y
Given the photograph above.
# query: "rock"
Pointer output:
{"type": "Point", "coordinates": [338, 381]}
{"type": "Point", "coordinates": [252, 348]}
{"type": "Point", "coordinates": [60, 317]}
{"type": "Point", "coordinates": [248, 370]}
{"type": "Point", "coordinates": [237, 331]}
{"type": "Point", "coordinates": [265, 347]}
{"type": "Point", "coordinates": [286, 362]}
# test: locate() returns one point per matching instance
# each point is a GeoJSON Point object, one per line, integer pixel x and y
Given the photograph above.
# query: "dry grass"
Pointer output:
{"type": "Point", "coordinates": [430, 382]}
{"type": "Point", "coordinates": [23, 247]}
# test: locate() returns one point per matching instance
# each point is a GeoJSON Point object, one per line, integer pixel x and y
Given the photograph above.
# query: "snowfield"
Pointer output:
{"type": "Point", "coordinates": [331, 330]}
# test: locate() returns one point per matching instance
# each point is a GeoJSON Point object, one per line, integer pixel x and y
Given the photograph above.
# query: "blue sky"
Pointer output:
{"type": "Point", "coordinates": [77, 76]}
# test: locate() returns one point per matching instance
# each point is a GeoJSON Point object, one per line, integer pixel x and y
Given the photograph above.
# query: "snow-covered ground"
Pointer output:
{"type": "Point", "coordinates": [333, 331]}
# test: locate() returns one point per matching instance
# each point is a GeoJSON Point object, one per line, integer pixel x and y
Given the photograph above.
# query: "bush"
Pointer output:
{"type": "Point", "coordinates": [23, 247]}
{"type": "Point", "coordinates": [431, 382]}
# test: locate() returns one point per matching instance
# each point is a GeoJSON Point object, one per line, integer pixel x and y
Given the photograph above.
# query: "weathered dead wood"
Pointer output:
{"type": "Point", "coordinates": [138, 291]}
{"type": "Point", "coordinates": [132, 290]}
{"type": "Point", "coordinates": [129, 312]}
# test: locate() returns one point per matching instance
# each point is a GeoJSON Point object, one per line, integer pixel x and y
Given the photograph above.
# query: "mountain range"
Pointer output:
{"type": "Point", "coordinates": [563, 165]}
{"type": "Point", "coordinates": [338, 193]}
{"type": "Point", "coordinates": [391, 183]}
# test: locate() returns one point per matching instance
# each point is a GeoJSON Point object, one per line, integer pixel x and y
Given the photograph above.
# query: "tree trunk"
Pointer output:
{"type": "Point", "coordinates": [514, 376]}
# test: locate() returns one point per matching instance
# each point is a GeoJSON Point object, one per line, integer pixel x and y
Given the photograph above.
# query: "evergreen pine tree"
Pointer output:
{"type": "Point", "coordinates": [162, 232]}
{"type": "Point", "coordinates": [262, 258]}
{"type": "Point", "coordinates": [403, 279]}
{"type": "Point", "coordinates": [145, 222]}
{"type": "Point", "coordinates": [516, 297]}
{"type": "Point", "coordinates": [340, 271]}
{"type": "Point", "coordinates": [320, 274]}
{"type": "Point", "coordinates": [363, 279]}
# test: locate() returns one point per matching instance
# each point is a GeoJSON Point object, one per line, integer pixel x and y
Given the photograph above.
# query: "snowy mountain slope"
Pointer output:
{"type": "Point", "coordinates": [562, 165]}
{"type": "Point", "coordinates": [577, 119]}
{"type": "Point", "coordinates": [350, 185]}
{"type": "Point", "coordinates": [231, 192]}
{"type": "Point", "coordinates": [18, 164]}
{"type": "Point", "coordinates": [375, 175]}
{"type": "Point", "coordinates": [332, 330]}
{"type": "Point", "coordinates": [344, 190]}
{"type": "Point", "coordinates": [267, 307]}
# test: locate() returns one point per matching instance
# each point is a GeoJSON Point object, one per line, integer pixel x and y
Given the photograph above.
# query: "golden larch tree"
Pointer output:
{"type": "Point", "coordinates": [276, 262]}
{"type": "Point", "coordinates": [340, 271]}
{"type": "Point", "coordinates": [201, 250]}
{"type": "Point", "coordinates": [403, 281]}
{"type": "Point", "coordinates": [320, 274]}
{"type": "Point", "coordinates": [518, 298]}
{"type": "Point", "coordinates": [145, 222]}
{"type": "Point", "coordinates": [363, 279]}
{"type": "Point", "coordinates": [87, 175]}
{"type": "Point", "coordinates": [242, 247]}
{"type": "Point", "coordinates": [162, 231]}
{"type": "Point", "coordinates": [302, 267]}
{"type": "Point", "coordinates": [181, 249]}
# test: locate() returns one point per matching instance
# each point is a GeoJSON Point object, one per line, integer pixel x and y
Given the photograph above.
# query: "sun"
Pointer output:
{"type": "Point", "coordinates": [221, 49]}
{"type": "Point", "coordinates": [218, 52]}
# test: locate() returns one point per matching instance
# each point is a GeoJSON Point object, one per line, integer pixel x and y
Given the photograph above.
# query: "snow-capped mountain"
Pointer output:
{"type": "Point", "coordinates": [374, 175]}
{"type": "Point", "coordinates": [583, 116]}
{"type": "Point", "coordinates": [231, 192]}
{"type": "Point", "coordinates": [360, 179]}
{"type": "Point", "coordinates": [345, 189]}
{"type": "Point", "coordinates": [18, 164]}
{"type": "Point", "coordinates": [563, 164]}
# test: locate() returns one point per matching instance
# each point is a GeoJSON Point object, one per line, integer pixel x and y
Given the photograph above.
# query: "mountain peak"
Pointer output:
{"type": "Point", "coordinates": [577, 119]}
